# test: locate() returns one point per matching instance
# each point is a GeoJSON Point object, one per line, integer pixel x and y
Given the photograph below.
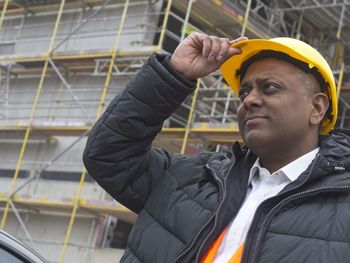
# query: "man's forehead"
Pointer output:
{"type": "Point", "coordinates": [285, 58]}
{"type": "Point", "coordinates": [271, 68]}
{"type": "Point", "coordinates": [263, 63]}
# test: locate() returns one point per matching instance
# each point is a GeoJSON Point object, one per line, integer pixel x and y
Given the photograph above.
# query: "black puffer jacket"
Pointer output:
{"type": "Point", "coordinates": [185, 202]}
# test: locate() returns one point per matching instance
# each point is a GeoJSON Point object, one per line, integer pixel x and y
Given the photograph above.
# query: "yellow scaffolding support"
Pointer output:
{"type": "Point", "coordinates": [190, 118]}
{"type": "Point", "coordinates": [6, 2]}
{"type": "Point", "coordinates": [246, 17]}
{"type": "Point", "coordinates": [99, 111]}
{"type": "Point", "coordinates": [34, 107]}
{"type": "Point", "coordinates": [165, 21]}
{"type": "Point", "coordinates": [340, 80]}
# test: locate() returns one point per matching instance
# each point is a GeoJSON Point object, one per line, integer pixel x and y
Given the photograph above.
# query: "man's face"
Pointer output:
{"type": "Point", "coordinates": [276, 103]}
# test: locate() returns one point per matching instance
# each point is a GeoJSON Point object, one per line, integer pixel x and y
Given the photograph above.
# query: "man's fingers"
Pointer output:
{"type": "Point", "coordinates": [207, 46]}
{"type": "Point", "coordinates": [218, 49]}
{"type": "Point", "coordinates": [224, 49]}
{"type": "Point", "coordinates": [200, 42]}
{"type": "Point", "coordinates": [215, 48]}
{"type": "Point", "coordinates": [236, 50]}
{"type": "Point", "coordinates": [238, 40]}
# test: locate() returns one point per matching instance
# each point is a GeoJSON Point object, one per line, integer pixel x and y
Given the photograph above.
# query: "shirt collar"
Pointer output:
{"type": "Point", "coordinates": [291, 170]}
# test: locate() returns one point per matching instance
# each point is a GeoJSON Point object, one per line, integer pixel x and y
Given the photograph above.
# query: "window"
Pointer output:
{"type": "Point", "coordinates": [64, 176]}
{"type": "Point", "coordinates": [120, 234]}
{"type": "Point", "coordinates": [8, 173]}
{"type": "Point", "coordinates": [7, 48]}
{"type": "Point", "coordinates": [10, 257]}
{"type": "Point", "coordinates": [116, 233]}
{"type": "Point", "coordinates": [47, 175]}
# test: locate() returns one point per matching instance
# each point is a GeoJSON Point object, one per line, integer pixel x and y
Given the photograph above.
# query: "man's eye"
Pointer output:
{"type": "Point", "coordinates": [242, 94]}
{"type": "Point", "coordinates": [270, 87]}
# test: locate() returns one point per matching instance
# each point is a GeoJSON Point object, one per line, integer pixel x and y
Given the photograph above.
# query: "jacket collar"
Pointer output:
{"type": "Point", "coordinates": [336, 147]}
{"type": "Point", "coordinates": [333, 157]}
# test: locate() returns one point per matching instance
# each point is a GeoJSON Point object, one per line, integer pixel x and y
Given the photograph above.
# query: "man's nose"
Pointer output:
{"type": "Point", "coordinates": [254, 98]}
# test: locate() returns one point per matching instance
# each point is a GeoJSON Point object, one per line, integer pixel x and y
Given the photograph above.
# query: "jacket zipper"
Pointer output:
{"type": "Point", "coordinates": [183, 253]}
{"type": "Point", "coordinates": [194, 239]}
{"type": "Point", "coordinates": [217, 209]}
{"type": "Point", "coordinates": [281, 203]}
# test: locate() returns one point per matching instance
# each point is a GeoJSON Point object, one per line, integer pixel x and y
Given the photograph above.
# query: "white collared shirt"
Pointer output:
{"type": "Point", "coordinates": [261, 186]}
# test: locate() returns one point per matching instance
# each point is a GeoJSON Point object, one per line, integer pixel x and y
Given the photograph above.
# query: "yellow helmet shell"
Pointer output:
{"type": "Point", "coordinates": [294, 48]}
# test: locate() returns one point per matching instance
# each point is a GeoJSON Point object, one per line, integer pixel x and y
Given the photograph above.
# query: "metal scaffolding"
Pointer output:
{"type": "Point", "coordinates": [61, 106]}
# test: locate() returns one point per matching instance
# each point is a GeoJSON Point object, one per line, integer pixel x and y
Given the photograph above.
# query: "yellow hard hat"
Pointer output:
{"type": "Point", "coordinates": [296, 49]}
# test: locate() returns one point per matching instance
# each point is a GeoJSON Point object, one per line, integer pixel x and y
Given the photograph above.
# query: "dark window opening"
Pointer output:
{"type": "Point", "coordinates": [116, 233]}
{"type": "Point", "coordinates": [8, 173]}
{"type": "Point", "coordinates": [47, 175]}
{"type": "Point", "coordinates": [121, 234]}
{"type": "Point", "coordinates": [64, 176]}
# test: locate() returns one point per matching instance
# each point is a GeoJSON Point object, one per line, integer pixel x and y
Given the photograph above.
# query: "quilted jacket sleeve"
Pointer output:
{"type": "Point", "coordinates": [118, 153]}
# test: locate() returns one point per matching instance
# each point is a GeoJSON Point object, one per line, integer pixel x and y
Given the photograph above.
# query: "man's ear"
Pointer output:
{"type": "Point", "coordinates": [320, 104]}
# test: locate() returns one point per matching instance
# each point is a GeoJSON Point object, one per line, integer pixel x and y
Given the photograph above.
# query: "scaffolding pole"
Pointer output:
{"type": "Point", "coordinates": [69, 88]}
{"type": "Point", "coordinates": [31, 118]}
{"type": "Point", "coordinates": [300, 22]}
{"type": "Point", "coordinates": [4, 8]}
{"type": "Point", "coordinates": [190, 118]}
{"type": "Point", "coordinates": [4, 87]}
{"type": "Point", "coordinates": [20, 220]}
{"type": "Point", "coordinates": [112, 63]}
{"type": "Point", "coordinates": [99, 111]}
{"type": "Point", "coordinates": [246, 17]}
{"type": "Point", "coordinates": [187, 17]}
{"type": "Point", "coordinates": [341, 20]}
{"type": "Point", "coordinates": [340, 80]}
{"type": "Point", "coordinates": [163, 29]}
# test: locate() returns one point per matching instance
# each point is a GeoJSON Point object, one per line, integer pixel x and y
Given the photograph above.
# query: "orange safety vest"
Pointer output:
{"type": "Point", "coordinates": [210, 254]}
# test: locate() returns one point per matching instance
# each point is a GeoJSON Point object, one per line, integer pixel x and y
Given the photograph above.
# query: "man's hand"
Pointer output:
{"type": "Point", "coordinates": [199, 54]}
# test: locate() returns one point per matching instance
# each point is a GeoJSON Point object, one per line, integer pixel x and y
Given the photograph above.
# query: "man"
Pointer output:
{"type": "Point", "coordinates": [283, 196]}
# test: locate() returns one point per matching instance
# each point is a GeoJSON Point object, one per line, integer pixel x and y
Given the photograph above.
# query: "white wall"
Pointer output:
{"type": "Point", "coordinates": [98, 33]}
